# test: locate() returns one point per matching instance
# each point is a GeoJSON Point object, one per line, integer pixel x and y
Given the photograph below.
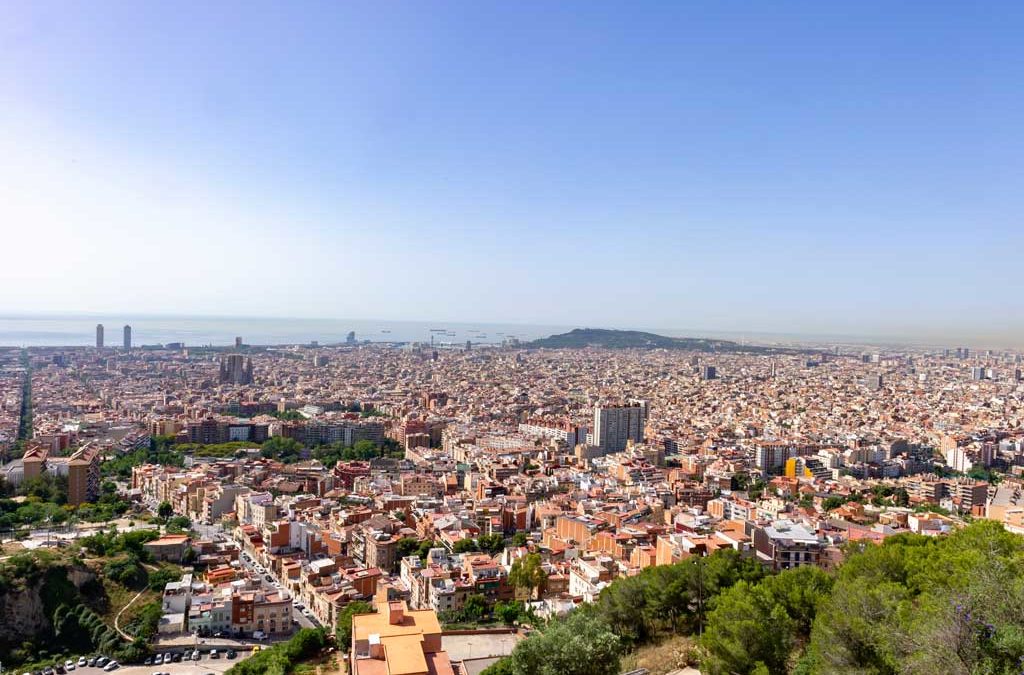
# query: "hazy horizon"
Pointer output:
{"type": "Point", "coordinates": [801, 169]}
{"type": "Point", "coordinates": [83, 324]}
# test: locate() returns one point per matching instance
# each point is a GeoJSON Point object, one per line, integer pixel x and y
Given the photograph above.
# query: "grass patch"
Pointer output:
{"type": "Point", "coordinates": [673, 653]}
{"type": "Point", "coordinates": [117, 597]}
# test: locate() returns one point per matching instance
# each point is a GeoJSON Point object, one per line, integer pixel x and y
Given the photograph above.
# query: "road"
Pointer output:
{"type": "Point", "coordinates": [216, 531]}
{"type": "Point", "coordinates": [201, 667]}
{"type": "Point", "coordinates": [304, 621]}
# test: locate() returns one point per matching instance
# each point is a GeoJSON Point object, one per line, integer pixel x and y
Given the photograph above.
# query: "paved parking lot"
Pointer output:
{"type": "Point", "coordinates": [479, 645]}
{"type": "Point", "coordinates": [206, 665]}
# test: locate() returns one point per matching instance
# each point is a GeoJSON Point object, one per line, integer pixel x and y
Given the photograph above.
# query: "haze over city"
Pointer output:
{"type": "Point", "coordinates": [804, 168]}
{"type": "Point", "coordinates": [519, 338]}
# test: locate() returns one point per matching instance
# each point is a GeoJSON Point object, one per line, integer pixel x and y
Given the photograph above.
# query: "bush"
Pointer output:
{"type": "Point", "coordinates": [282, 658]}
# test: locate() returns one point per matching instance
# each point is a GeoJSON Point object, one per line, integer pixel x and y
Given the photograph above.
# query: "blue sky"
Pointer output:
{"type": "Point", "coordinates": [792, 167]}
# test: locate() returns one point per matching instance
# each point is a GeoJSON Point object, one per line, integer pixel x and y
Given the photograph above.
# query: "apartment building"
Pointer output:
{"type": "Point", "coordinates": [398, 641]}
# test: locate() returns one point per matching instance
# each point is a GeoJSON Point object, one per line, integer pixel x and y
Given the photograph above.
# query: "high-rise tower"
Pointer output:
{"type": "Point", "coordinates": [99, 336]}
{"type": "Point", "coordinates": [127, 338]}
{"type": "Point", "coordinates": [615, 426]}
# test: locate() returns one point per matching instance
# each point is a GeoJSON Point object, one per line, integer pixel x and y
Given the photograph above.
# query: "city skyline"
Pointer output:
{"type": "Point", "coordinates": [801, 170]}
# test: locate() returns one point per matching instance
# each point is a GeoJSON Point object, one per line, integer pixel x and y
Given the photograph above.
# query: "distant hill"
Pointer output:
{"type": "Point", "coordinates": [634, 339]}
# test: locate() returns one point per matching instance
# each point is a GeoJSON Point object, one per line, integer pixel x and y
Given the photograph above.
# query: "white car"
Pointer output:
{"type": "Point", "coordinates": [69, 665]}
{"type": "Point", "coordinates": [82, 661]}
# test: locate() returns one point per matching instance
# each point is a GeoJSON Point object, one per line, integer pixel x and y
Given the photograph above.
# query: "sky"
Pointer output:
{"type": "Point", "coordinates": [796, 167]}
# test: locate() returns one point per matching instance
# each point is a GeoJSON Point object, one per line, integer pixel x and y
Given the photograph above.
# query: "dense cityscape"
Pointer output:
{"type": "Point", "coordinates": [491, 338]}
{"type": "Point", "coordinates": [470, 487]}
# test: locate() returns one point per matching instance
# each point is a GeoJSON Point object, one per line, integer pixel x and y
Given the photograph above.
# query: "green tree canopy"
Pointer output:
{"type": "Point", "coordinates": [579, 645]}
{"type": "Point", "coordinates": [343, 632]}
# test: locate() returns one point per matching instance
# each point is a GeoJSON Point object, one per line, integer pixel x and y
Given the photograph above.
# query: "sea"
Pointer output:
{"type": "Point", "coordinates": [194, 331]}
{"type": "Point", "coordinates": [53, 330]}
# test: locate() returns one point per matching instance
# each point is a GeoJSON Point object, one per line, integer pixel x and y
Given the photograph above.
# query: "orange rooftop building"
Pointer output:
{"type": "Point", "coordinates": [398, 641]}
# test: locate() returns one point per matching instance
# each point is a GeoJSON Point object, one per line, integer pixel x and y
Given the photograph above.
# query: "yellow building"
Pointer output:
{"type": "Point", "coordinates": [398, 641]}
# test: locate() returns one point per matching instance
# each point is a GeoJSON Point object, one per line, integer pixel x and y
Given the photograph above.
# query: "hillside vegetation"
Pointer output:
{"type": "Point", "coordinates": [54, 603]}
{"type": "Point", "coordinates": [633, 339]}
{"type": "Point", "coordinates": [914, 605]}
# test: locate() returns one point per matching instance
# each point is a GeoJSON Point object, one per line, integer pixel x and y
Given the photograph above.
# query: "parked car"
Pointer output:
{"type": "Point", "coordinates": [113, 665]}
{"type": "Point", "coordinates": [82, 661]}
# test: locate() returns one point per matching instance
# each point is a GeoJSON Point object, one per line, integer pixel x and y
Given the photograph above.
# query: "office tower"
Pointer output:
{"type": "Point", "coordinates": [772, 371]}
{"type": "Point", "coordinates": [351, 337]}
{"type": "Point", "coordinates": [238, 342]}
{"type": "Point", "coordinates": [614, 426]}
{"type": "Point", "coordinates": [235, 369]}
{"type": "Point", "coordinates": [977, 373]}
{"type": "Point", "coordinates": [99, 336]}
{"type": "Point", "coordinates": [709, 373]}
{"type": "Point", "coordinates": [1018, 375]}
{"type": "Point", "coordinates": [873, 382]}
{"type": "Point", "coordinates": [127, 338]}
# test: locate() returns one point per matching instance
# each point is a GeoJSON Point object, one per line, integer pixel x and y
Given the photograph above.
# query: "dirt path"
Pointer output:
{"type": "Point", "coordinates": [117, 619]}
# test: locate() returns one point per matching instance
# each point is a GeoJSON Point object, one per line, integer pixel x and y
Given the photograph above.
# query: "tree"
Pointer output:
{"type": "Point", "coordinates": [343, 633]}
{"type": "Point", "coordinates": [165, 510]}
{"type": "Point", "coordinates": [491, 543]}
{"type": "Point", "coordinates": [519, 539]}
{"type": "Point", "coordinates": [475, 607]}
{"type": "Point", "coordinates": [464, 546]}
{"type": "Point", "coordinates": [407, 546]}
{"type": "Point", "coordinates": [178, 524]}
{"type": "Point", "coordinates": [924, 605]}
{"type": "Point", "coordinates": [287, 450]}
{"type": "Point", "coordinates": [282, 658]}
{"type": "Point", "coordinates": [579, 645]}
{"type": "Point", "coordinates": [509, 612]}
{"type": "Point", "coordinates": [736, 639]}
{"type": "Point", "coordinates": [832, 503]}
{"type": "Point", "coordinates": [527, 574]}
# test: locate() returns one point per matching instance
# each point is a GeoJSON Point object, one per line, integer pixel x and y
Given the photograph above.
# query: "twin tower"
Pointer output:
{"type": "Point", "coordinates": [127, 337]}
